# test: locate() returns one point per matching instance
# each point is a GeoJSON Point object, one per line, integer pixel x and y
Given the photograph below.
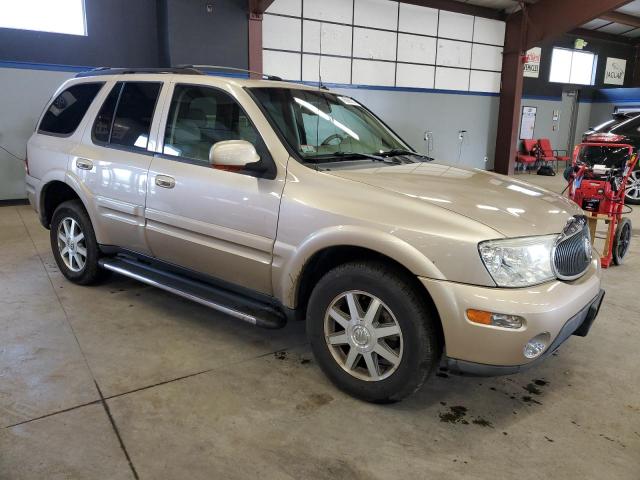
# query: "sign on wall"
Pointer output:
{"type": "Point", "coordinates": [614, 71]}
{"type": "Point", "coordinates": [527, 122]}
{"type": "Point", "coordinates": [532, 62]}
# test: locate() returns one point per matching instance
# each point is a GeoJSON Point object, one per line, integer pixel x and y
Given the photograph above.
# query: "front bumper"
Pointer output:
{"type": "Point", "coordinates": [579, 325]}
{"type": "Point", "coordinates": [557, 308]}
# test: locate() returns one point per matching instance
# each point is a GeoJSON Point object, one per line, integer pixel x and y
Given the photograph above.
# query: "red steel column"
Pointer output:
{"type": "Point", "coordinates": [510, 95]}
{"type": "Point", "coordinates": [255, 43]}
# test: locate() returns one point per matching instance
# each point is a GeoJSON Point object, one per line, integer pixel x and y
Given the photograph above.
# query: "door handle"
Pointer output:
{"type": "Point", "coordinates": [84, 164]}
{"type": "Point", "coordinates": [165, 181]}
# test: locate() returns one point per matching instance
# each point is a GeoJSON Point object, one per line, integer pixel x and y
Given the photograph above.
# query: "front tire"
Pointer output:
{"type": "Point", "coordinates": [372, 331]}
{"type": "Point", "coordinates": [74, 244]}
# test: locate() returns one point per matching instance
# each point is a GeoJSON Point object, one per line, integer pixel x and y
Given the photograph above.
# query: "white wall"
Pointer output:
{"type": "Point", "coordinates": [23, 95]}
{"type": "Point", "coordinates": [382, 43]}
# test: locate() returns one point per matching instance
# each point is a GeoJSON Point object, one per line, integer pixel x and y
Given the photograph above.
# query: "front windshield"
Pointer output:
{"type": "Point", "coordinates": [321, 125]}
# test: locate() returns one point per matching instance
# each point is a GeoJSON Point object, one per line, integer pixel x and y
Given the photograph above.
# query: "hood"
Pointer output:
{"type": "Point", "coordinates": [509, 206]}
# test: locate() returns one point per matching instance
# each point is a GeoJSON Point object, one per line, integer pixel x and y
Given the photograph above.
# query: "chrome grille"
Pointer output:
{"type": "Point", "coordinates": [572, 253]}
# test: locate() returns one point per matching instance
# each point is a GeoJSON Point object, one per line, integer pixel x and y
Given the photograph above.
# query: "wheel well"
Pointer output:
{"type": "Point", "coordinates": [53, 194]}
{"type": "Point", "coordinates": [329, 258]}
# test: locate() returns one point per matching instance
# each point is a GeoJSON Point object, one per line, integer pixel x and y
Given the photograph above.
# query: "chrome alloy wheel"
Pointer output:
{"type": "Point", "coordinates": [363, 335]}
{"type": "Point", "coordinates": [633, 186]}
{"type": "Point", "coordinates": [71, 244]}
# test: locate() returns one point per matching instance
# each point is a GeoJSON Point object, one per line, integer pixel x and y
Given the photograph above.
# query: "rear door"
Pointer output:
{"type": "Point", "coordinates": [220, 223]}
{"type": "Point", "coordinates": [112, 162]}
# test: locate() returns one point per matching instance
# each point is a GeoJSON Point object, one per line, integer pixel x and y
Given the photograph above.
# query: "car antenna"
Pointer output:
{"type": "Point", "coordinates": [320, 84]}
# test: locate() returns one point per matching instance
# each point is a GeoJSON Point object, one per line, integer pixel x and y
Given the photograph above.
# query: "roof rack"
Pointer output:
{"type": "Point", "coordinates": [186, 70]}
{"type": "Point", "coordinates": [231, 69]}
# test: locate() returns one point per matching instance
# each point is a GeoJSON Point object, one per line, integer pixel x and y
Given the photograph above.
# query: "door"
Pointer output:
{"type": "Point", "coordinates": [568, 120]}
{"type": "Point", "coordinates": [113, 161]}
{"type": "Point", "coordinates": [220, 223]}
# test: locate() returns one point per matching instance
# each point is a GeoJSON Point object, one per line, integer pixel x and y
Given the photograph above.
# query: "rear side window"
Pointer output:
{"type": "Point", "coordinates": [68, 109]}
{"type": "Point", "coordinates": [126, 115]}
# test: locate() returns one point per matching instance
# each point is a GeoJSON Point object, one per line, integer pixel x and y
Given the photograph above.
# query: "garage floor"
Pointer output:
{"type": "Point", "coordinates": [123, 380]}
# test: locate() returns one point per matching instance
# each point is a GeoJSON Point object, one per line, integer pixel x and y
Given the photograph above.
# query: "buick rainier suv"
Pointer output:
{"type": "Point", "coordinates": [271, 201]}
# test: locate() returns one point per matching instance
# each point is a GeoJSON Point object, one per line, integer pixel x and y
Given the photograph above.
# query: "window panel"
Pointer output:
{"type": "Point", "coordinates": [202, 116]}
{"type": "Point", "coordinates": [572, 66]}
{"type": "Point", "coordinates": [102, 125]}
{"type": "Point", "coordinates": [60, 16]}
{"type": "Point", "coordinates": [560, 65]}
{"type": "Point", "coordinates": [134, 114]}
{"type": "Point", "coordinates": [582, 68]}
{"type": "Point", "coordinates": [68, 109]}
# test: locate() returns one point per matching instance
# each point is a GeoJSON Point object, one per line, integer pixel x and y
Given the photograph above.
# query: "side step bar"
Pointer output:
{"type": "Point", "coordinates": [229, 303]}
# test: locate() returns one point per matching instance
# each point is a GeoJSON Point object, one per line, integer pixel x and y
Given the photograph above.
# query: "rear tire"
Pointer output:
{"type": "Point", "coordinates": [74, 244]}
{"type": "Point", "coordinates": [372, 331]}
{"type": "Point", "coordinates": [621, 241]}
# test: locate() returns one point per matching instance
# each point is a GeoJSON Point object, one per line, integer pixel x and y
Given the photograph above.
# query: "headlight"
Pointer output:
{"type": "Point", "coordinates": [519, 262]}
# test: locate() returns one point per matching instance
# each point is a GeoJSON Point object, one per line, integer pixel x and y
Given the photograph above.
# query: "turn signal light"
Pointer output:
{"type": "Point", "coordinates": [495, 319]}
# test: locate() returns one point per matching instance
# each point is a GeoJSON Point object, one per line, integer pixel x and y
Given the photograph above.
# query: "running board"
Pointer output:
{"type": "Point", "coordinates": [223, 301]}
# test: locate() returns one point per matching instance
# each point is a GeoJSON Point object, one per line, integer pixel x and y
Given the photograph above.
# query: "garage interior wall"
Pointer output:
{"type": "Point", "coordinates": [593, 106]}
{"type": "Point", "coordinates": [120, 33]}
{"type": "Point", "coordinates": [420, 69]}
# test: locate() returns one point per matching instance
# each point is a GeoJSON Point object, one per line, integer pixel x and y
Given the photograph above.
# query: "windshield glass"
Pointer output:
{"type": "Point", "coordinates": [320, 124]}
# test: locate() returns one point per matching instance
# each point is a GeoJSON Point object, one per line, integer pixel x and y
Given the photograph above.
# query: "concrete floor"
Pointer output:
{"type": "Point", "coordinates": [125, 381]}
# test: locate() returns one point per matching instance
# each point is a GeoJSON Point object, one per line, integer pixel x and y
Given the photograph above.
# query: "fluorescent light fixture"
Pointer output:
{"type": "Point", "coordinates": [59, 16]}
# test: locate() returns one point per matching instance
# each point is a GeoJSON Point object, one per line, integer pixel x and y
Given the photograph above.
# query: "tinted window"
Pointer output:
{"type": "Point", "coordinates": [134, 114]}
{"type": "Point", "coordinates": [66, 112]}
{"type": "Point", "coordinates": [102, 125]}
{"type": "Point", "coordinates": [201, 116]}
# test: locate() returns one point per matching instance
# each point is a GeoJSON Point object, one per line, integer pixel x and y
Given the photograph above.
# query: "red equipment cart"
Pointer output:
{"type": "Point", "coordinates": [597, 184]}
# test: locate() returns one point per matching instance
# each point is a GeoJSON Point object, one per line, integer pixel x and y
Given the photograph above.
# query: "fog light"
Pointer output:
{"type": "Point", "coordinates": [495, 319]}
{"type": "Point", "coordinates": [536, 345]}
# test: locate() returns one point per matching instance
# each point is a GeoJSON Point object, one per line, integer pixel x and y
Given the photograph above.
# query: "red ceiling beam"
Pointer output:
{"type": "Point", "coordinates": [598, 35]}
{"type": "Point", "coordinates": [551, 18]}
{"type": "Point", "coordinates": [259, 6]}
{"type": "Point", "coordinates": [622, 18]}
{"type": "Point", "coordinates": [458, 7]}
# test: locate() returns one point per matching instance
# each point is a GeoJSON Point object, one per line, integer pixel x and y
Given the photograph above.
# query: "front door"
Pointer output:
{"type": "Point", "coordinates": [220, 223]}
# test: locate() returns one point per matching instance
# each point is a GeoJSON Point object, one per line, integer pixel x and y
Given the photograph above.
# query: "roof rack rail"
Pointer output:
{"type": "Point", "coordinates": [186, 70]}
{"type": "Point", "coordinates": [231, 69]}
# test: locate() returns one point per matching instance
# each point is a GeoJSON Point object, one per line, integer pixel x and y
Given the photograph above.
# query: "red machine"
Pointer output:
{"type": "Point", "coordinates": [597, 184]}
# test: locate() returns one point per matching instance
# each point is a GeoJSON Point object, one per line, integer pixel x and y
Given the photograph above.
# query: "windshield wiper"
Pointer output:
{"type": "Point", "coordinates": [399, 151]}
{"type": "Point", "coordinates": [337, 156]}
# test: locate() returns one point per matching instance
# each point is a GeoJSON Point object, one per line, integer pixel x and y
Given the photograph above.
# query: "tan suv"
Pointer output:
{"type": "Point", "coordinates": [271, 201]}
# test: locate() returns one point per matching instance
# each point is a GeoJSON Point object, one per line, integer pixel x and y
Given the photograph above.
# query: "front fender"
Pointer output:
{"type": "Point", "coordinates": [289, 261]}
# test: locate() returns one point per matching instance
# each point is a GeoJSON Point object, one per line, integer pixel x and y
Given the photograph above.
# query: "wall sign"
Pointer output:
{"type": "Point", "coordinates": [532, 62]}
{"type": "Point", "coordinates": [614, 71]}
{"type": "Point", "coordinates": [527, 122]}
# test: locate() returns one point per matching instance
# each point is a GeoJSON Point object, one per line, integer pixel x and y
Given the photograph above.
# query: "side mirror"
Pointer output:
{"type": "Point", "coordinates": [232, 154]}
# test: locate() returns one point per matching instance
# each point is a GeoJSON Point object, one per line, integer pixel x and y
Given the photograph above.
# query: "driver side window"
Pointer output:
{"type": "Point", "coordinates": [202, 116]}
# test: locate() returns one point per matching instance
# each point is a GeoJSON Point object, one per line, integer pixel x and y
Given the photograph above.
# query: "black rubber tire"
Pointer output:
{"type": "Point", "coordinates": [417, 319]}
{"type": "Point", "coordinates": [620, 251]}
{"type": "Point", "coordinates": [91, 272]}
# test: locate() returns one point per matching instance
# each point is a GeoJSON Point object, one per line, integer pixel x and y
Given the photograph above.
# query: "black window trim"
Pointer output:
{"type": "Point", "coordinates": [124, 148]}
{"type": "Point", "coordinates": [52, 99]}
{"type": "Point", "coordinates": [270, 170]}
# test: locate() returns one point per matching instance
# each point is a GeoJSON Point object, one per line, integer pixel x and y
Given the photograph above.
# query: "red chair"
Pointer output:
{"type": "Point", "coordinates": [528, 155]}
{"type": "Point", "coordinates": [547, 154]}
